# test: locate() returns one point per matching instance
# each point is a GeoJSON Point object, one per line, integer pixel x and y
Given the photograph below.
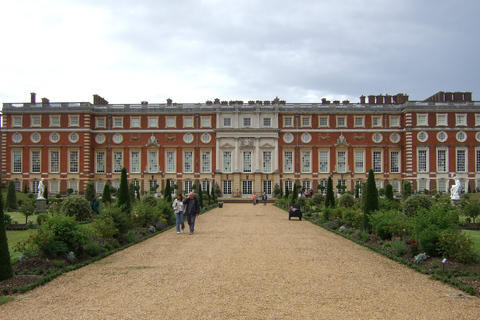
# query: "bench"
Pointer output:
{"type": "Point", "coordinates": [295, 210]}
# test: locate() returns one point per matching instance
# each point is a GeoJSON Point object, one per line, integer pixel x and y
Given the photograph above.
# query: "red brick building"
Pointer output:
{"type": "Point", "coordinates": [243, 147]}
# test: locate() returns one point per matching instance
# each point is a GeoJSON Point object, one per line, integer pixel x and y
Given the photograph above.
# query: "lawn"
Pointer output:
{"type": "Point", "coordinates": [15, 237]}
{"type": "Point", "coordinates": [475, 236]}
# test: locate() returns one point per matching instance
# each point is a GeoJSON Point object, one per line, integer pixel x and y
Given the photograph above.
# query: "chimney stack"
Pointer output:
{"type": "Point", "coordinates": [362, 99]}
{"type": "Point", "coordinates": [45, 101]}
{"type": "Point", "coordinates": [32, 97]}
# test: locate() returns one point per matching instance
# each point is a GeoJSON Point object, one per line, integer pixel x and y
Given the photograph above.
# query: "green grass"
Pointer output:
{"type": "Point", "coordinates": [5, 300]}
{"type": "Point", "coordinates": [475, 236]}
{"type": "Point", "coordinates": [15, 237]}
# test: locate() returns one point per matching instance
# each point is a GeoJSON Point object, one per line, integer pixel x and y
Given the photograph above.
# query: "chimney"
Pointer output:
{"type": "Point", "coordinates": [468, 96]}
{"type": "Point", "coordinates": [346, 102]}
{"type": "Point", "coordinates": [448, 96]}
{"type": "Point", "coordinates": [169, 102]}
{"type": "Point", "coordinates": [371, 99]}
{"type": "Point", "coordinates": [458, 96]}
{"type": "Point", "coordinates": [324, 100]}
{"type": "Point", "coordinates": [32, 98]}
{"type": "Point", "coordinates": [380, 99]}
{"type": "Point", "coordinates": [362, 99]}
{"type": "Point", "coordinates": [45, 101]}
{"type": "Point", "coordinates": [388, 99]}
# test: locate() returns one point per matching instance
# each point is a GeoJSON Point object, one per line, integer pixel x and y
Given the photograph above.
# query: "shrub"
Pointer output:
{"type": "Point", "coordinates": [399, 247]}
{"type": "Point", "coordinates": [150, 200]}
{"type": "Point", "coordinates": [7, 219]}
{"type": "Point", "coordinates": [145, 214]}
{"type": "Point", "coordinates": [123, 220]}
{"type": "Point", "coordinates": [363, 235]}
{"type": "Point", "coordinates": [471, 210]}
{"type": "Point", "coordinates": [443, 215]}
{"type": "Point", "coordinates": [371, 198]}
{"type": "Point", "coordinates": [35, 245]}
{"type": "Point", "coordinates": [346, 200]}
{"type": "Point", "coordinates": [166, 212]}
{"type": "Point", "coordinates": [6, 270]}
{"type": "Point", "coordinates": [318, 199]}
{"type": "Point", "coordinates": [41, 218]}
{"type": "Point", "coordinates": [89, 190]}
{"type": "Point", "coordinates": [415, 202]}
{"type": "Point", "coordinates": [387, 204]}
{"type": "Point", "coordinates": [59, 263]}
{"type": "Point", "coordinates": [94, 247]}
{"type": "Point", "coordinates": [455, 245]}
{"type": "Point", "coordinates": [104, 226]}
{"type": "Point", "coordinates": [389, 192]}
{"type": "Point", "coordinates": [78, 207]}
{"type": "Point", "coordinates": [55, 248]}
{"type": "Point", "coordinates": [65, 229]}
{"type": "Point", "coordinates": [106, 195]}
{"type": "Point", "coordinates": [389, 223]}
{"type": "Point", "coordinates": [27, 209]}
{"type": "Point", "coordinates": [330, 198]}
{"type": "Point", "coordinates": [11, 201]}
{"type": "Point", "coordinates": [123, 196]}
{"type": "Point", "coordinates": [428, 240]}
{"type": "Point", "coordinates": [131, 236]}
{"type": "Point", "coordinates": [352, 217]}
{"type": "Point", "coordinates": [407, 190]}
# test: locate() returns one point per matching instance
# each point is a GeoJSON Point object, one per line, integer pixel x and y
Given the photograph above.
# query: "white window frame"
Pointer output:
{"type": "Point", "coordinates": [54, 161]}
{"type": "Point", "coordinates": [458, 163]}
{"type": "Point", "coordinates": [306, 121]}
{"type": "Point", "coordinates": [16, 119]}
{"type": "Point", "coordinates": [188, 121]}
{"type": "Point", "coordinates": [100, 122]}
{"type": "Point", "coordinates": [73, 161]}
{"type": "Point", "coordinates": [247, 159]}
{"type": "Point", "coordinates": [445, 165]}
{"type": "Point", "coordinates": [206, 158]}
{"type": "Point", "coordinates": [135, 161]}
{"type": "Point", "coordinates": [288, 121]}
{"type": "Point", "coordinates": [395, 161]}
{"type": "Point", "coordinates": [152, 161]}
{"type": "Point", "coordinates": [100, 162]}
{"type": "Point", "coordinates": [359, 161]}
{"type": "Point", "coordinates": [423, 167]}
{"type": "Point", "coordinates": [288, 161]}
{"type": "Point", "coordinates": [17, 161]}
{"type": "Point", "coordinates": [442, 119]}
{"type": "Point", "coordinates": [117, 122]}
{"type": "Point", "coordinates": [117, 161]}
{"type": "Point", "coordinates": [153, 122]}
{"type": "Point", "coordinates": [394, 119]}
{"type": "Point", "coordinates": [267, 161]}
{"type": "Point", "coordinates": [205, 121]}
{"type": "Point", "coordinates": [74, 120]}
{"type": "Point", "coordinates": [422, 119]}
{"type": "Point", "coordinates": [36, 121]}
{"type": "Point", "coordinates": [170, 122]}
{"type": "Point", "coordinates": [35, 162]}
{"type": "Point", "coordinates": [267, 122]}
{"type": "Point", "coordinates": [377, 161]}
{"type": "Point", "coordinates": [377, 119]}
{"type": "Point", "coordinates": [306, 161]}
{"type": "Point", "coordinates": [188, 161]}
{"type": "Point", "coordinates": [227, 122]}
{"type": "Point", "coordinates": [342, 161]}
{"type": "Point", "coordinates": [171, 161]}
{"type": "Point", "coordinates": [135, 122]}
{"type": "Point", "coordinates": [54, 121]}
{"type": "Point", "coordinates": [323, 119]}
{"type": "Point", "coordinates": [361, 121]}
{"type": "Point", "coordinates": [460, 119]}
{"type": "Point", "coordinates": [341, 119]}
{"type": "Point", "coordinates": [247, 122]}
{"type": "Point", "coordinates": [227, 161]}
{"type": "Point", "coordinates": [324, 161]}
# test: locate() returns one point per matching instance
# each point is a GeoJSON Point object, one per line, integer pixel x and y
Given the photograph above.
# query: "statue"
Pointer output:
{"type": "Point", "coordinates": [455, 189]}
{"type": "Point", "coordinates": [41, 189]}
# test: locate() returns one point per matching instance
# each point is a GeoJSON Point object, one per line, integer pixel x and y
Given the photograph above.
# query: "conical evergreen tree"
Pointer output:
{"type": "Point", "coordinates": [11, 202]}
{"type": "Point", "coordinates": [295, 193]}
{"type": "Point", "coordinates": [123, 196]}
{"type": "Point", "coordinates": [6, 270]}
{"type": "Point", "coordinates": [89, 190]}
{"type": "Point", "coordinates": [167, 193]}
{"type": "Point", "coordinates": [200, 196]}
{"type": "Point", "coordinates": [287, 192]}
{"type": "Point", "coordinates": [407, 189]}
{"type": "Point", "coordinates": [131, 192]}
{"type": "Point", "coordinates": [106, 195]}
{"type": "Point", "coordinates": [45, 194]}
{"type": "Point", "coordinates": [371, 199]}
{"type": "Point", "coordinates": [330, 197]}
{"type": "Point", "coordinates": [213, 194]}
{"type": "Point", "coordinates": [389, 192]}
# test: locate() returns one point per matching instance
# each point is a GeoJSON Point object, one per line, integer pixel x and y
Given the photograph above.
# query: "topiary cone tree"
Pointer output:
{"type": "Point", "coordinates": [389, 192]}
{"type": "Point", "coordinates": [11, 202]}
{"type": "Point", "coordinates": [6, 270]}
{"type": "Point", "coordinates": [330, 197]}
{"type": "Point", "coordinates": [200, 196]}
{"type": "Point", "coordinates": [167, 193]}
{"type": "Point", "coordinates": [123, 195]}
{"type": "Point", "coordinates": [371, 199]}
{"type": "Point", "coordinates": [106, 195]}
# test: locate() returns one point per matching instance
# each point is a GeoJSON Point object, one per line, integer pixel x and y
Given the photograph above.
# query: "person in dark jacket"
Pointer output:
{"type": "Point", "coordinates": [192, 210]}
{"type": "Point", "coordinates": [264, 198]}
{"type": "Point", "coordinates": [95, 204]}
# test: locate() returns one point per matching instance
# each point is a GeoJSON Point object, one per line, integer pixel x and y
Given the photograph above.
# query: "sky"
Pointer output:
{"type": "Point", "coordinates": [191, 51]}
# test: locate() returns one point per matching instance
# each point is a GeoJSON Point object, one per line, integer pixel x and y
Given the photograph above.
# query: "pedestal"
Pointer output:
{"type": "Point", "coordinates": [41, 206]}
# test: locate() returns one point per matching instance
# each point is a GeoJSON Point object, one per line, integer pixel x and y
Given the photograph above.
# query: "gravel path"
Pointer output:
{"type": "Point", "coordinates": [244, 262]}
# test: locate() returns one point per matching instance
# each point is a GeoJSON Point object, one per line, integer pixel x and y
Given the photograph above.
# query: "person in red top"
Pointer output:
{"type": "Point", "coordinates": [254, 198]}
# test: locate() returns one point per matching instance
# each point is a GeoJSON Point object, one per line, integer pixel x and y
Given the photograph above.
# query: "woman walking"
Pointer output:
{"type": "Point", "coordinates": [178, 208]}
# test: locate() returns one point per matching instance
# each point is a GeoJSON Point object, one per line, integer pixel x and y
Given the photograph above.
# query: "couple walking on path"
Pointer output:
{"type": "Point", "coordinates": [190, 207]}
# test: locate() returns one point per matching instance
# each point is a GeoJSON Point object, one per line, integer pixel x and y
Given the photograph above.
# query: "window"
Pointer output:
{"type": "Point", "coordinates": [288, 122]}
{"type": "Point", "coordinates": [206, 161]}
{"type": "Point", "coordinates": [117, 161]}
{"type": "Point", "coordinates": [118, 122]}
{"type": "Point", "coordinates": [188, 161]}
{"type": "Point", "coordinates": [247, 161]}
{"type": "Point", "coordinates": [267, 122]}
{"type": "Point", "coordinates": [359, 161]}
{"type": "Point", "coordinates": [247, 187]}
{"type": "Point", "coordinates": [422, 160]}
{"type": "Point", "coordinates": [17, 137]}
{"type": "Point", "coordinates": [170, 168]}
{"type": "Point", "coordinates": [477, 160]}
{"type": "Point", "coordinates": [153, 122]}
{"type": "Point", "coordinates": [36, 121]}
{"type": "Point", "coordinates": [17, 161]}
{"type": "Point", "coordinates": [477, 120]}
{"type": "Point", "coordinates": [461, 160]}
{"type": "Point", "coordinates": [422, 136]}
{"type": "Point", "coordinates": [188, 138]}
{"type": "Point", "coordinates": [442, 136]}
{"type": "Point", "coordinates": [267, 162]}
{"type": "Point", "coordinates": [341, 183]}
{"type": "Point", "coordinates": [188, 122]}
{"type": "Point", "coordinates": [323, 165]}
{"type": "Point", "coordinates": [323, 121]}
{"type": "Point", "coordinates": [395, 137]}
{"type": "Point", "coordinates": [394, 161]}
{"type": "Point", "coordinates": [54, 121]}
{"type": "Point", "coordinates": [135, 122]}
{"type": "Point", "coordinates": [378, 183]}
{"type": "Point", "coordinates": [35, 161]}
{"type": "Point", "coordinates": [54, 137]}
{"type": "Point", "coordinates": [206, 122]}
{"type": "Point", "coordinates": [227, 122]}
{"type": "Point", "coordinates": [206, 138]}
{"type": "Point", "coordinates": [73, 185]}
{"type": "Point", "coordinates": [170, 122]}
{"type": "Point", "coordinates": [324, 189]}
{"type": "Point", "coordinates": [73, 161]}
{"type": "Point", "coordinates": [100, 185]}
{"type": "Point", "coordinates": [188, 186]}
{"type": "Point", "coordinates": [267, 186]}
{"type": "Point", "coordinates": [442, 186]}
{"type": "Point", "coordinates": [461, 136]}
{"type": "Point", "coordinates": [377, 137]}
{"type": "Point", "coordinates": [341, 121]}
{"type": "Point", "coordinates": [359, 122]}
{"type": "Point", "coordinates": [288, 186]}
{"type": "Point", "coordinates": [394, 121]}
{"type": "Point", "coordinates": [17, 121]}
{"type": "Point", "coordinates": [117, 138]}
{"type": "Point", "coordinates": [422, 185]}
{"type": "Point", "coordinates": [376, 121]}
{"type": "Point", "coordinates": [306, 162]}
{"type": "Point", "coordinates": [377, 161]}
{"type": "Point", "coordinates": [422, 119]}
{"type": "Point", "coordinates": [395, 185]}
{"type": "Point", "coordinates": [288, 162]}
{"type": "Point", "coordinates": [135, 162]}
{"type": "Point", "coordinates": [100, 162]}
{"type": "Point", "coordinates": [441, 160]}
{"type": "Point", "coordinates": [227, 161]}
{"type": "Point", "coordinates": [53, 187]}
{"type": "Point", "coordinates": [247, 122]}
{"type": "Point", "coordinates": [306, 137]}
{"type": "Point", "coordinates": [100, 122]}
{"type": "Point", "coordinates": [54, 161]}
{"type": "Point", "coordinates": [306, 121]}
{"type": "Point", "coordinates": [288, 138]}
{"type": "Point", "coordinates": [227, 186]}
{"type": "Point", "coordinates": [206, 186]}
{"type": "Point", "coordinates": [74, 121]}
{"type": "Point", "coordinates": [341, 161]}
{"type": "Point", "coordinates": [306, 184]}
{"type": "Point", "coordinates": [36, 137]}
{"type": "Point", "coordinates": [152, 161]}
{"type": "Point", "coordinates": [461, 119]}
{"type": "Point", "coordinates": [35, 186]}
{"type": "Point", "coordinates": [442, 119]}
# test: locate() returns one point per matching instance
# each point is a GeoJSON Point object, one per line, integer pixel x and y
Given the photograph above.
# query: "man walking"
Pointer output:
{"type": "Point", "coordinates": [192, 210]}
{"type": "Point", "coordinates": [264, 198]}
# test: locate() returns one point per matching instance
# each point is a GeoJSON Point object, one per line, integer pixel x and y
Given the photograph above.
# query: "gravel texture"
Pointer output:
{"type": "Point", "coordinates": [244, 262]}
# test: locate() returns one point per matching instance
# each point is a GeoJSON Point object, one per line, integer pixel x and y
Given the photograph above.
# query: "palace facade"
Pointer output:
{"type": "Point", "coordinates": [243, 147]}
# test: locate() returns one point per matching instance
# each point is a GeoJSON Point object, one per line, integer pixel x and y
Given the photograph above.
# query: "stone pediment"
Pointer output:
{"type": "Point", "coordinates": [227, 146]}
{"type": "Point", "coordinates": [267, 146]}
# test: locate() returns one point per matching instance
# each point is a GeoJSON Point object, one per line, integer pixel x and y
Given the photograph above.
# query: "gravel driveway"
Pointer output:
{"type": "Point", "coordinates": [244, 262]}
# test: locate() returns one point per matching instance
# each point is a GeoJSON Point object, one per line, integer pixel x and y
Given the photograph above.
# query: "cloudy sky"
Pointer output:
{"type": "Point", "coordinates": [191, 51]}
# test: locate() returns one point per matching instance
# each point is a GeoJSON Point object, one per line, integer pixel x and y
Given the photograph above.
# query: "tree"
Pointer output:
{"type": "Point", "coordinates": [131, 192]}
{"type": "Point", "coordinates": [11, 203]}
{"type": "Point", "coordinates": [123, 196]}
{"type": "Point", "coordinates": [389, 192]}
{"type": "Point", "coordinates": [200, 196]}
{"type": "Point", "coordinates": [330, 198]}
{"type": "Point", "coordinates": [89, 190]}
{"type": "Point", "coordinates": [167, 193]}
{"type": "Point", "coordinates": [213, 194]}
{"type": "Point", "coordinates": [106, 195]}
{"type": "Point", "coordinates": [371, 198]}
{"type": "Point", "coordinates": [295, 193]}
{"type": "Point", "coordinates": [6, 270]}
{"type": "Point", "coordinates": [287, 192]}
{"type": "Point", "coordinates": [27, 208]}
{"type": "Point", "coordinates": [78, 207]}
{"type": "Point", "coordinates": [45, 194]}
{"type": "Point", "coordinates": [407, 189]}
